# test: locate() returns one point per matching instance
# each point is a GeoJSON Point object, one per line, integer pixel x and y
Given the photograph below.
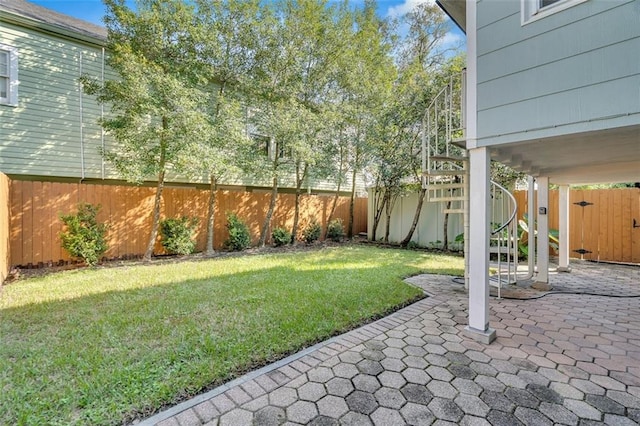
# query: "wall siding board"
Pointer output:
{"type": "Point", "coordinates": [570, 110]}
{"type": "Point", "coordinates": [490, 12]}
{"type": "Point", "coordinates": [497, 34]}
{"type": "Point", "coordinates": [530, 85]}
{"type": "Point", "coordinates": [585, 70]}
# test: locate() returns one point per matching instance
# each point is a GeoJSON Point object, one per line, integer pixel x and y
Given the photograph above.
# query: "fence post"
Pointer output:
{"type": "Point", "coordinates": [563, 221]}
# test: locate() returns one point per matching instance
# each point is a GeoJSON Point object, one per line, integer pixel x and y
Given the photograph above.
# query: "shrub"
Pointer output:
{"type": "Point", "coordinates": [335, 230]}
{"type": "Point", "coordinates": [435, 245]}
{"type": "Point", "coordinates": [84, 236]}
{"type": "Point", "coordinates": [178, 234]}
{"type": "Point", "coordinates": [312, 232]}
{"type": "Point", "coordinates": [239, 236]}
{"type": "Point", "coordinates": [280, 237]}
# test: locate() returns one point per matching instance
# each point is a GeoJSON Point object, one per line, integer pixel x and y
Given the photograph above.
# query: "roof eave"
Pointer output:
{"type": "Point", "coordinates": [10, 17]}
{"type": "Point", "coordinates": [457, 11]}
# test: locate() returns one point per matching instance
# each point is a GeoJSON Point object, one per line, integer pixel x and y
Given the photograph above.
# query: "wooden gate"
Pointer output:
{"type": "Point", "coordinates": [604, 224]}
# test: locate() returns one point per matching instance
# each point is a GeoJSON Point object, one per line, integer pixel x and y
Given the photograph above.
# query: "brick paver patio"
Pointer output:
{"type": "Point", "coordinates": [569, 359]}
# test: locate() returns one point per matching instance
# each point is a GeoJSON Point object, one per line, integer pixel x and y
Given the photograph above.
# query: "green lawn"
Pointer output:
{"type": "Point", "coordinates": [102, 346]}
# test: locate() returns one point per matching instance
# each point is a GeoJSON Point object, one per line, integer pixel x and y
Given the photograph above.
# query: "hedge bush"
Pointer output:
{"type": "Point", "coordinates": [239, 235]}
{"type": "Point", "coordinates": [335, 230]}
{"type": "Point", "coordinates": [178, 234]}
{"type": "Point", "coordinates": [84, 237]}
{"type": "Point", "coordinates": [312, 232]}
{"type": "Point", "coordinates": [280, 237]}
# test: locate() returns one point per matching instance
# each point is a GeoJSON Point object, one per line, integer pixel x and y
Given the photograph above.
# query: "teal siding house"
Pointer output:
{"type": "Point", "coordinates": [553, 90]}
{"type": "Point", "coordinates": [49, 126]}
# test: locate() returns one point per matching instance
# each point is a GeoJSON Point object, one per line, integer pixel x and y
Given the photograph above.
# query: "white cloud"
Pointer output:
{"type": "Point", "coordinates": [452, 40]}
{"type": "Point", "coordinates": [405, 7]}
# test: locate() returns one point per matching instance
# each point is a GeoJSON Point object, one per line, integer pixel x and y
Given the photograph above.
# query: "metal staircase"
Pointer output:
{"type": "Point", "coordinates": [445, 178]}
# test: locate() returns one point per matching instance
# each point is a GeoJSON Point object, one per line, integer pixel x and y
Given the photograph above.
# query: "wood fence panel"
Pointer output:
{"type": "Point", "coordinates": [27, 222]}
{"type": "Point", "coordinates": [605, 227]}
{"type": "Point", "coordinates": [605, 242]}
{"type": "Point", "coordinates": [627, 229]}
{"type": "Point", "coordinates": [635, 227]}
{"type": "Point", "coordinates": [16, 216]}
{"type": "Point", "coordinates": [35, 208]}
{"type": "Point", "coordinates": [617, 224]}
{"type": "Point", "coordinates": [5, 232]}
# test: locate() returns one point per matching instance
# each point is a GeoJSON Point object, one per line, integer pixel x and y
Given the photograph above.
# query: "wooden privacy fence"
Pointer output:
{"type": "Point", "coordinates": [35, 211]}
{"type": "Point", "coordinates": [604, 223]}
{"type": "Point", "coordinates": [4, 227]}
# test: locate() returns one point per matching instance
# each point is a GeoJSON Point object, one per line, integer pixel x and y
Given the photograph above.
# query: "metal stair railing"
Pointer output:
{"type": "Point", "coordinates": [445, 174]}
{"type": "Point", "coordinates": [505, 235]}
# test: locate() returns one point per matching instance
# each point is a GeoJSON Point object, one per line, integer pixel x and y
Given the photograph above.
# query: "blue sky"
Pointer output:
{"type": "Point", "coordinates": [93, 11]}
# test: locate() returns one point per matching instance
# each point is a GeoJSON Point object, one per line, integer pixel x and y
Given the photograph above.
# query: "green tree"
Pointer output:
{"type": "Point", "coordinates": [296, 73]}
{"type": "Point", "coordinates": [365, 79]}
{"type": "Point", "coordinates": [157, 106]}
{"type": "Point", "coordinates": [226, 34]}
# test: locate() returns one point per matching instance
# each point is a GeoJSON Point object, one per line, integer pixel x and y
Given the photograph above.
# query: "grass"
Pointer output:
{"type": "Point", "coordinates": [107, 345]}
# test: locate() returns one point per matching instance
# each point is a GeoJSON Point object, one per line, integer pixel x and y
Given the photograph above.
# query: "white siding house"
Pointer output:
{"type": "Point", "coordinates": [553, 90]}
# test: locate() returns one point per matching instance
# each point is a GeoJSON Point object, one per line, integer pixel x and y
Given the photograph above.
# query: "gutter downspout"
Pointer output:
{"type": "Point", "coordinates": [102, 118]}
{"type": "Point", "coordinates": [531, 243]}
{"type": "Point", "coordinates": [81, 122]}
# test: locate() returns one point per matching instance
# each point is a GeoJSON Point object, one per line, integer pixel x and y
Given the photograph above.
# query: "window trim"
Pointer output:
{"type": "Point", "coordinates": [531, 10]}
{"type": "Point", "coordinates": [12, 98]}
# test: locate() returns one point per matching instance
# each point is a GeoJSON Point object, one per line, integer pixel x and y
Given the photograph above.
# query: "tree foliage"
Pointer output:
{"type": "Point", "coordinates": [157, 107]}
{"type": "Point", "coordinates": [296, 90]}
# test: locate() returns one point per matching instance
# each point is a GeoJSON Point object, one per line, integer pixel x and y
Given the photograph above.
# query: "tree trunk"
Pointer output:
{"type": "Point", "coordinates": [387, 225]}
{"type": "Point", "coordinates": [352, 204]}
{"type": "Point", "coordinates": [391, 201]}
{"type": "Point", "coordinates": [416, 218]}
{"type": "Point", "coordinates": [337, 195]}
{"type": "Point", "coordinates": [267, 219]}
{"type": "Point", "coordinates": [156, 217]}
{"type": "Point", "coordinates": [334, 203]}
{"type": "Point", "coordinates": [296, 214]}
{"type": "Point", "coordinates": [211, 215]}
{"type": "Point", "coordinates": [158, 200]}
{"type": "Point", "coordinates": [380, 200]}
{"type": "Point", "coordinates": [445, 228]}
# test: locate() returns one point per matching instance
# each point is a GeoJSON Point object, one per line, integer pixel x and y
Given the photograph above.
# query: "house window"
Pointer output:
{"type": "Point", "coordinates": [545, 3]}
{"type": "Point", "coordinates": [261, 143]}
{"type": "Point", "coordinates": [8, 75]}
{"type": "Point", "coordinates": [532, 10]}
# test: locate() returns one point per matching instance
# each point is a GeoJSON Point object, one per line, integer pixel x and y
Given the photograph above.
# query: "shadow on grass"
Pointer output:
{"type": "Point", "coordinates": [110, 357]}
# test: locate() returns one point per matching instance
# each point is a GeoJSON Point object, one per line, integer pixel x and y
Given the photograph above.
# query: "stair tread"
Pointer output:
{"type": "Point", "coordinates": [441, 186]}
{"type": "Point", "coordinates": [444, 173]}
{"type": "Point", "coordinates": [447, 158]}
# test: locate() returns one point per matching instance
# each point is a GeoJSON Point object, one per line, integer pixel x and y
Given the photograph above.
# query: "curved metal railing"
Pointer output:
{"type": "Point", "coordinates": [445, 175]}
{"type": "Point", "coordinates": [505, 234]}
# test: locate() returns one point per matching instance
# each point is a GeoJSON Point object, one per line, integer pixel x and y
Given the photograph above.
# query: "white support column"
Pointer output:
{"type": "Point", "coordinates": [479, 231]}
{"type": "Point", "coordinates": [542, 279]}
{"type": "Point", "coordinates": [563, 220]}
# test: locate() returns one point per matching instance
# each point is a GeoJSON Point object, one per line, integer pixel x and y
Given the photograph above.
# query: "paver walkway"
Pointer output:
{"type": "Point", "coordinates": [570, 359]}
